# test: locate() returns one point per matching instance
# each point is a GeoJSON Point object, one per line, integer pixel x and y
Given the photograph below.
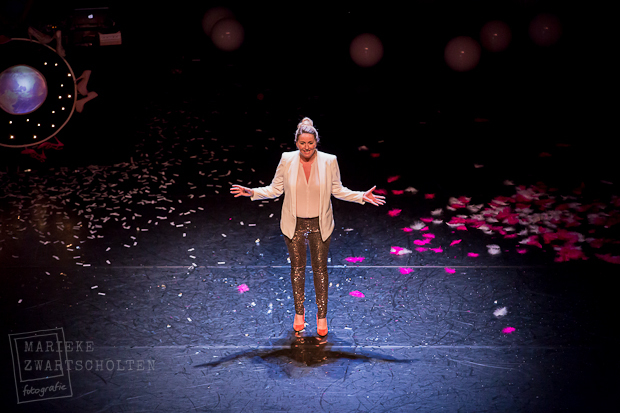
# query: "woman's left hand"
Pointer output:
{"type": "Point", "coordinates": [374, 199]}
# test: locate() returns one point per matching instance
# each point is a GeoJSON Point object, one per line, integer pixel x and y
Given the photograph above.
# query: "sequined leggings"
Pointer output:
{"type": "Point", "coordinates": [307, 232]}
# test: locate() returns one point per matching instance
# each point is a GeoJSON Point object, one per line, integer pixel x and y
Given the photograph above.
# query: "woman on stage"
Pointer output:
{"type": "Point", "coordinates": [308, 178]}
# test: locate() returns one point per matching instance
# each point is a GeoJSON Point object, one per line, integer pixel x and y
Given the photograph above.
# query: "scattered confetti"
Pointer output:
{"type": "Point", "coordinates": [508, 330]}
{"type": "Point", "coordinates": [243, 288]}
{"type": "Point", "coordinates": [450, 270]}
{"type": "Point", "coordinates": [357, 294]}
{"type": "Point", "coordinates": [405, 271]}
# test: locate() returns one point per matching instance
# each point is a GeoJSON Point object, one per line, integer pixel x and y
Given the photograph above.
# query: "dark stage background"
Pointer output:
{"type": "Point", "coordinates": [526, 98]}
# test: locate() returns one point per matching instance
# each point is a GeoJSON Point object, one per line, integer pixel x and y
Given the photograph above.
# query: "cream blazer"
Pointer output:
{"type": "Point", "coordinates": [285, 180]}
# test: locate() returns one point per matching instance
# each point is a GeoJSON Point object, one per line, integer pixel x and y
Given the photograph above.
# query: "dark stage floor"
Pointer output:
{"type": "Point", "coordinates": [131, 248]}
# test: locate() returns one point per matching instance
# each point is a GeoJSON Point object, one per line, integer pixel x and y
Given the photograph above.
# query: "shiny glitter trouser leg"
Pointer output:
{"type": "Point", "coordinates": [307, 232]}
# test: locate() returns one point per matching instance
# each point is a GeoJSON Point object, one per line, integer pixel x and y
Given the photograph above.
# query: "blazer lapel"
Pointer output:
{"type": "Point", "coordinates": [320, 163]}
{"type": "Point", "coordinates": [293, 170]}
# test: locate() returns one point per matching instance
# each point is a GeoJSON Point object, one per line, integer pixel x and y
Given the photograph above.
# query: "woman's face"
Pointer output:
{"type": "Point", "coordinates": [306, 143]}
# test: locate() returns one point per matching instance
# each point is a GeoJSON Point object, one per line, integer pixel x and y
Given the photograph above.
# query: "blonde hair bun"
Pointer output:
{"type": "Point", "coordinates": [305, 121]}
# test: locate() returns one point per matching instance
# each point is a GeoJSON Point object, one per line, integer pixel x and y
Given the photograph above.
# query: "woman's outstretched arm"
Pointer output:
{"type": "Point", "coordinates": [274, 190]}
{"type": "Point", "coordinates": [341, 192]}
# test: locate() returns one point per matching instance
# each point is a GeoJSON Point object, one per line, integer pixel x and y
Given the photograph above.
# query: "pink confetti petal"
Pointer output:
{"type": "Point", "coordinates": [380, 192]}
{"type": "Point", "coordinates": [455, 242]}
{"type": "Point", "coordinates": [612, 259]}
{"type": "Point", "coordinates": [508, 330]}
{"type": "Point", "coordinates": [427, 220]}
{"type": "Point", "coordinates": [399, 250]}
{"type": "Point", "coordinates": [438, 249]}
{"type": "Point", "coordinates": [357, 294]}
{"type": "Point", "coordinates": [393, 178]}
{"type": "Point", "coordinates": [521, 250]}
{"type": "Point", "coordinates": [375, 155]}
{"type": "Point", "coordinates": [429, 196]}
{"type": "Point", "coordinates": [472, 254]}
{"type": "Point", "coordinates": [354, 259]}
{"type": "Point", "coordinates": [450, 270]}
{"type": "Point", "coordinates": [424, 229]}
{"type": "Point", "coordinates": [394, 212]}
{"type": "Point", "coordinates": [407, 229]}
{"type": "Point", "coordinates": [243, 288]}
{"type": "Point", "coordinates": [421, 249]}
{"type": "Point", "coordinates": [398, 191]}
{"type": "Point", "coordinates": [428, 235]}
{"type": "Point", "coordinates": [405, 271]}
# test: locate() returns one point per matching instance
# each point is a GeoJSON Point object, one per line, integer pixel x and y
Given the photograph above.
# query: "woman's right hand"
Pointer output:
{"type": "Point", "coordinates": [239, 190]}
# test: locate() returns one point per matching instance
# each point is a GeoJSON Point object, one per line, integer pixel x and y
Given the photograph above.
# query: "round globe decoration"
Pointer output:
{"type": "Point", "coordinates": [37, 93]}
{"type": "Point", "coordinates": [22, 90]}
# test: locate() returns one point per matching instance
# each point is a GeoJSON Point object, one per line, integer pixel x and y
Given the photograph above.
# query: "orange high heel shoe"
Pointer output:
{"type": "Point", "coordinates": [299, 327]}
{"type": "Point", "coordinates": [320, 331]}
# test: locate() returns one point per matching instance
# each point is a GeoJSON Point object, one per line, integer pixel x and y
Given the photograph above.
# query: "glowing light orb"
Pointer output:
{"type": "Point", "coordinates": [462, 53]}
{"type": "Point", "coordinates": [213, 16]}
{"type": "Point", "coordinates": [22, 90]}
{"type": "Point", "coordinates": [545, 29]}
{"type": "Point", "coordinates": [366, 50]}
{"type": "Point", "coordinates": [495, 36]}
{"type": "Point", "coordinates": [227, 34]}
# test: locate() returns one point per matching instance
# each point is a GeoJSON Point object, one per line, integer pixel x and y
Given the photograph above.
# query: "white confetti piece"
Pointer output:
{"type": "Point", "coordinates": [55, 257]}
{"type": "Point", "coordinates": [222, 262]}
{"type": "Point", "coordinates": [101, 293]}
{"type": "Point", "coordinates": [418, 225]}
{"type": "Point", "coordinates": [493, 249]}
{"type": "Point", "coordinates": [189, 319]}
{"type": "Point", "coordinates": [20, 301]}
{"type": "Point", "coordinates": [94, 286]}
{"type": "Point", "coordinates": [180, 294]}
{"type": "Point", "coordinates": [500, 312]}
{"type": "Point", "coordinates": [107, 261]}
